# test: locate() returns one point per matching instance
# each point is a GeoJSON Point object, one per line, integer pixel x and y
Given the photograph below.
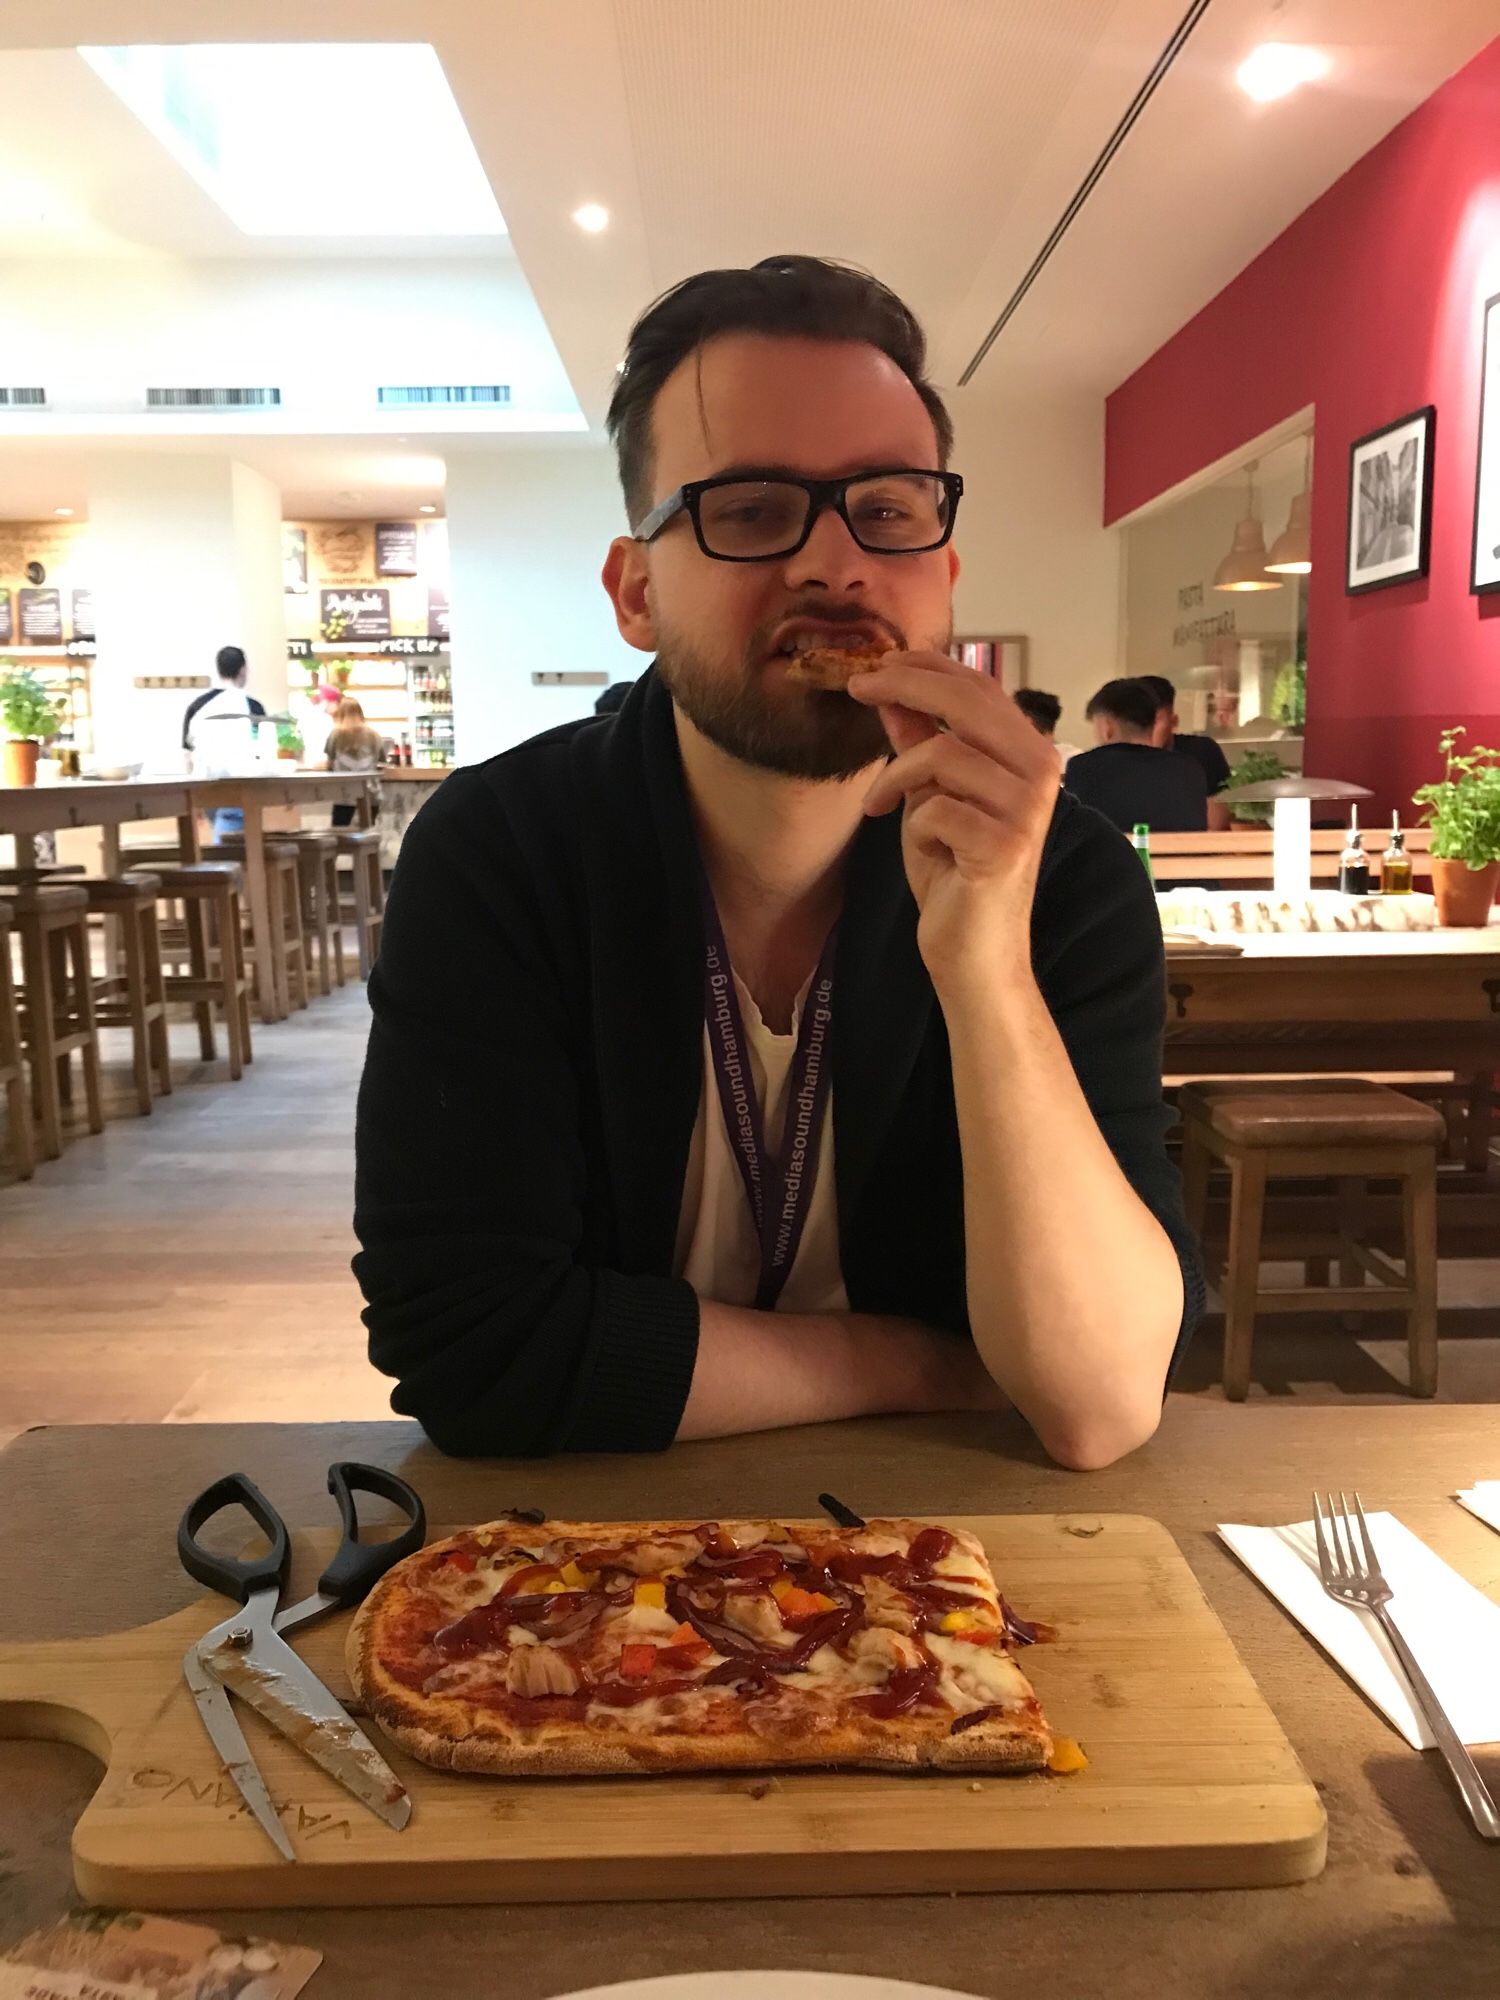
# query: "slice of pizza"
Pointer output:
{"type": "Point", "coordinates": [583, 1647]}
{"type": "Point", "coordinates": [833, 667]}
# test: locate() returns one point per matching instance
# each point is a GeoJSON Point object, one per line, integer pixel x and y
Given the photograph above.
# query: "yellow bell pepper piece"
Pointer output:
{"type": "Point", "coordinates": [959, 1621]}
{"type": "Point", "coordinates": [553, 1589]}
{"type": "Point", "coordinates": [781, 1586]}
{"type": "Point", "coordinates": [1067, 1756]}
{"type": "Point", "coordinates": [576, 1578]}
{"type": "Point", "coordinates": [651, 1594]}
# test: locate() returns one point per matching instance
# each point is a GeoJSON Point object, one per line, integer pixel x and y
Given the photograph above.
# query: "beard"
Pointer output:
{"type": "Point", "coordinates": [755, 714]}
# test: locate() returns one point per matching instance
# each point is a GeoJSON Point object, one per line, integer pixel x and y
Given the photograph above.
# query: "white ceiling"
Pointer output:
{"type": "Point", "coordinates": [936, 141]}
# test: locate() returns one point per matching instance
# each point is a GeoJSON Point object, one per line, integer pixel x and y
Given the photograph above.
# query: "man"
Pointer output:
{"type": "Point", "coordinates": [1044, 711]}
{"type": "Point", "coordinates": [1202, 749]}
{"type": "Point", "coordinates": [610, 948]}
{"type": "Point", "coordinates": [1126, 777]}
{"type": "Point", "coordinates": [217, 730]}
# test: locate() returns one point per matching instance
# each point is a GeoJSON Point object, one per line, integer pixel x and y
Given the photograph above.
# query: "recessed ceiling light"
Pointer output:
{"type": "Point", "coordinates": [591, 218]}
{"type": "Point", "coordinates": [1276, 69]}
{"type": "Point", "coordinates": [425, 509]}
{"type": "Point", "coordinates": [62, 510]}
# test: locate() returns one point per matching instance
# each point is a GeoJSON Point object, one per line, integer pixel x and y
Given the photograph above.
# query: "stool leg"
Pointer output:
{"type": "Point", "coordinates": [296, 953]}
{"type": "Point", "coordinates": [1315, 1271]}
{"type": "Point", "coordinates": [315, 923]}
{"type": "Point", "coordinates": [57, 951]}
{"type": "Point", "coordinates": [22, 1146]}
{"type": "Point", "coordinates": [133, 958]}
{"type": "Point", "coordinates": [1479, 1124]}
{"type": "Point", "coordinates": [1351, 1215]}
{"type": "Point", "coordinates": [195, 921]}
{"type": "Point", "coordinates": [36, 963]}
{"type": "Point", "coordinates": [1247, 1195]}
{"type": "Point", "coordinates": [335, 917]}
{"type": "Point", "coordinates": [242, 981]}
{"type": "Point", "coordinates": [1419, 1231]}
{"type": "Point", "coordinates": [83, 1008]}
{"type": "Point", "coordinates": [156, 996]}
{"type": "Point", "coordinates": [227, 917]}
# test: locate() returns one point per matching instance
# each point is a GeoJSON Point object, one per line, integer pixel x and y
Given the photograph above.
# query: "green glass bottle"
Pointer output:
{"type": "Point", "coordinates": [1140, 840]}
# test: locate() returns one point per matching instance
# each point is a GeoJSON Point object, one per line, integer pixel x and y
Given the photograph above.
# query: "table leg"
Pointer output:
{"type": "Point", "coordinates": [271, 1000]}
{"type": "Point", "coordinates": [25, 849]}
{"type": "Point", "coordinates": [114, 929]}
{"type": "Point", "coordinates": [364, 813]}
{"type": "Point", "coordinates": [189, 846]}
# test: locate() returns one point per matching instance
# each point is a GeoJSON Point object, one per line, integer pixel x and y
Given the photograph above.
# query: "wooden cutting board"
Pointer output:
{"type": "Point", "coordinates": [1190, 1782]}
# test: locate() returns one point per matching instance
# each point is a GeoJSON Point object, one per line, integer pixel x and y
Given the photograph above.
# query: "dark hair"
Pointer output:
{"type": "Point", "coordinates": [231, 661]}
{"type": "Point", "coordinates": [613, 697]}
{"type": "Point", "coordinates": [1042, 711]}
{"type": "Point", "coordinates": [1126, 701]}
{"type": "Point", "coordinates": [1162, 688]}
{"type": "Point", "coordinates": [812, 298]}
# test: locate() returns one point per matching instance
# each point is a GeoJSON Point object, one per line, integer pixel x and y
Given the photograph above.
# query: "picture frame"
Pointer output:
{"type": "Point", "coordinates": [1005, 656]}
{"type": "Point", "coordinates": [1484, 565]}
{"type": "Point", "coordinates": [1390, 503]}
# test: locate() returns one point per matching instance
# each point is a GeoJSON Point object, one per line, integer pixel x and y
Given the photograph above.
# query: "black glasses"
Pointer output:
{"type": "Point", "coordinates": [898, 512]}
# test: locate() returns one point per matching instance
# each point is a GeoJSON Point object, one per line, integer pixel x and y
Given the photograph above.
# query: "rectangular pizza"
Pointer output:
{"type": "Point", "coordinates": [582, 1648]}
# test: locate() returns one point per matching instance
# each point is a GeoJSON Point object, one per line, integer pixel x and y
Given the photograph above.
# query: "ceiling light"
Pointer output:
{"type": "Point", "coordinates": [62, 510]}
{"type": "Point", "coordinates": [1291, 552]}
{"type": "Point", "coordinates": [1276, 69]}
{"type": "Point", "coordinates": [426, 509]}
{"type": "Point", "coordinates": [591, 218]}
{"type": "Point", "coordinates": [1244, 568]}
{"type": "Point", "coordinates": [222, 111]}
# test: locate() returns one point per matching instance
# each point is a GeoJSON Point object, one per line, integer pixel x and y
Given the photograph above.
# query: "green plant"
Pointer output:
{"type": "Point", "coordinates": [289, 737]}
{"type": "Point", "coordinates": [1254, 768]}
{"type": "Point", "coordinates": [1289, 695]}
{"type": "Point", "coordinates": [1463, 806]}
{"type": "Point", "coordinates": [27, 708]}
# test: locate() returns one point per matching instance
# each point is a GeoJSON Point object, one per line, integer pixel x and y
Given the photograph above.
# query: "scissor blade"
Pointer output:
{"type": "Point", "coordinates": [234, 1752]}
{"type": "Point", "coordinates": [285, 1690]}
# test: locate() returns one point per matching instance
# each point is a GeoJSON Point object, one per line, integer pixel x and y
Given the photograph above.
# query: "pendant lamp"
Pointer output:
{"type": "Point", "coordinates": [1291, 552]}
{"type": "Point", "coordinates": [1244, 568]}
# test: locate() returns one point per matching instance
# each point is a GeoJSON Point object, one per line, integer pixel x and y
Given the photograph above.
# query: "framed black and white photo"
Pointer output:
{"type": "Point", "coordinates": [1485, 573]}
{"type": "Point", "coordinates": [1390, 503]}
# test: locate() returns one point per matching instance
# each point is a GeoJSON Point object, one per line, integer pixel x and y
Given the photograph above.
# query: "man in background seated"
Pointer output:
{"type": "Point", "coordinates": [1126, 777]}
{"type": "Point", "coordinates": [1044, 712]}
{"type": "Point", "coordinates": [1202, 749]}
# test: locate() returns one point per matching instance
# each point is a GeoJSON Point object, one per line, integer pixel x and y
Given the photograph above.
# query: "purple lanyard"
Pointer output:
{"type": "Point", "coordinates": [778, 1186]}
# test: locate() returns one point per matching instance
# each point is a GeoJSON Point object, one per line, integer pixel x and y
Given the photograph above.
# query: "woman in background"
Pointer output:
{"type": "Point", "coordinates": [353, 746]}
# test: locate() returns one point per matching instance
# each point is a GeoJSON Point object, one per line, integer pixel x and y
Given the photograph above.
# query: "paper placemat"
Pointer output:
{"type": "Point", "coordinates": [767, 1986]}
{"type": "Point", "coordinates": [1483, 1501]}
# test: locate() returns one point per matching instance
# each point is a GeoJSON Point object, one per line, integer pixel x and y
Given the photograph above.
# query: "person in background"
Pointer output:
{"type": "Point", "coordinates": [218, 734]}
{"type": "Point", "coordinates": [1202, 749]}
{"type": "Point", "coordinates": [353, 746]}
{"type": "Point", "coordinates": [613, 697]}
{"type": "Point", "coordinates": [1044, 712]}
{"type": "Point", "coordinates": [1126, 777]}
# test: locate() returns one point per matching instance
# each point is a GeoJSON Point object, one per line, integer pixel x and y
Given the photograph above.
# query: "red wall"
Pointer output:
{"type": "Point", "coordinates": [1368, 306]}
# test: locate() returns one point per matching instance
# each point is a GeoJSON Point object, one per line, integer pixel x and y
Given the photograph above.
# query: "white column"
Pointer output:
{"type": "Point", "coordinates": [186, 556]}
{"type": "Point", "coordinates": [527, 536]}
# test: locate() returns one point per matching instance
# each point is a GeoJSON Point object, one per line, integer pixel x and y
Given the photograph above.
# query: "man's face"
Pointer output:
{"type": "Point", "coordinates": [722, 631]}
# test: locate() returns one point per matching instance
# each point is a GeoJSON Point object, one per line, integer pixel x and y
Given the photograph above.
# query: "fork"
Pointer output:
{"type": "Point", "coordinates": [1352, 1576]}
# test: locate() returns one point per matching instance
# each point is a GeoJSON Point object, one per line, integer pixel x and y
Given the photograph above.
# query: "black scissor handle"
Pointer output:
{"type": "Point", "coordinates": [357, 1566]}
{"type": "Point", "coordinates": [234, 1578]}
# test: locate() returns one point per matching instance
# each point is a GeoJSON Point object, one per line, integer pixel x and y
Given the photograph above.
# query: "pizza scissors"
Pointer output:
{"type": "Point", "coordinates": [246, 1654]}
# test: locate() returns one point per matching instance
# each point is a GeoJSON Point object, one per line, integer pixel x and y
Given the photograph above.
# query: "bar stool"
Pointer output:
{"type": "Point", "coordinates": [318, 878]}
{"type": "Point", "coordinates": [1341, 1128]}
{"type": "Point", "coordinates": [360, 846]}
{"type": "Point", "coordinates": [134, 996]}
{"type": "Point", "coordinates": [12, 1066]}
{"type": "Point", "coordinates": [57, 1006]}
{"type": "Point", "coordinates": [211, 938]}
{"type": "Point", "coordinates": [284, 898]}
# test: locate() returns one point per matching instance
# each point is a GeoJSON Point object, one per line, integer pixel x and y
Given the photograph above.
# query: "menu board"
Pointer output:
{"type": "Point", "coordinates": [396, 548]}
{"type": "Point", "coordinates": [437, 614]}
{"type": "Point", "coordinates": [354, 614]}
{"type": "Point", "coordinates": [41, 616]}
{"type": "Point", "coordinates": [7, 620]}
{"type": "Point", "coordinates": [83, 615]}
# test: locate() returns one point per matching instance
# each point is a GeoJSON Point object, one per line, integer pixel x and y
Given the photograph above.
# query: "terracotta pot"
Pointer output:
{"type": "Point", "coordinates": [20, 761]}
{"type": "Point", "coordinates": [1464, 894]}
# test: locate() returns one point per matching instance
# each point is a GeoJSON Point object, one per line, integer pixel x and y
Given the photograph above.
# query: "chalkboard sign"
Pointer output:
{"type": "Point", "coordinates": [355, 614]}
{"type": "Point", "coordinates": [41, 617]}
{"type": "Point", "coordinates": [83, 615]}
{"type": "Point", "coordinates": [7, 620]}
{"type": "Point", "coordinates": [437, 614]}
{"type": "Point", "coordinates": [395, 548]}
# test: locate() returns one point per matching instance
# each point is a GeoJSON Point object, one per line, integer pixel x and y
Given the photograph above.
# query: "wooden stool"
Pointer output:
{"type": "Point", "coordinates": [318, 876]}
{"type": "Point", "coordinates": [135, 996]}
{"type": "Point", "coordinates": [212, 941]}
{"type": "Point", "coordinates": [57, 1006]}
{"type": "Point", "coordinates": [284, 897]}
{"type": "Point", "coordinates": [361, 847]}
{"type": "Point", "coordinates": [12, 1067]}
{"type": "Point", "coordinates": [1353, 1132]}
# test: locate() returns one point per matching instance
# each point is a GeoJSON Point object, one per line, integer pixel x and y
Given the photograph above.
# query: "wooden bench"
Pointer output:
{"type": "Point", "coordinates": [1241, 859]}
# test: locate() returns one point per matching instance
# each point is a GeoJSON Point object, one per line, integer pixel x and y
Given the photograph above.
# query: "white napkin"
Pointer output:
{"type": "Point", "coordinates": [1452, 1628]}
{"type": "Point", "coordinates": [1483, 1499]}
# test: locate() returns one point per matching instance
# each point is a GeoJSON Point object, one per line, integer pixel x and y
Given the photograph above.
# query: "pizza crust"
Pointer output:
{"type": "Point", "coordinates": [833, 667]}
{"type": "Point", "coordinates": [451, 1734]}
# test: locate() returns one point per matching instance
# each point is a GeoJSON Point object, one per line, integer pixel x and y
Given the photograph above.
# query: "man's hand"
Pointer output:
{"type": "Point", "coordinates": [979, 784]}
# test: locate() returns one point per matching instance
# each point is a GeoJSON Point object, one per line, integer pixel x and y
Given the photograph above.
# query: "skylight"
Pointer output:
{"type": "Point", "coordinates": [312, 138]}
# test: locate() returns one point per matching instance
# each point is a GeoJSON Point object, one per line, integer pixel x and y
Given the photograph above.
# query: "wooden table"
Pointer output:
{"type": "Point", "coordinates": [1409, 1904]}
{"type": "Point", "coordinates": [26, 811]}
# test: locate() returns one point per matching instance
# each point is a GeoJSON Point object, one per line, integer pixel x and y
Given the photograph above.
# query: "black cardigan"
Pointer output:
{"type": "Point", "coordinates": [536, 1059]}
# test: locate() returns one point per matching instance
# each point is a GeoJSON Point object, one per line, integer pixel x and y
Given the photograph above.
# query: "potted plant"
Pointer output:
{"type": "Point", "coordinates": [1254, 768]}
{"type": "Point", "coordinates": [1463, 810]}
{"type": "Point", "coordinates": [289, 741]}
{"type": "Point", "coordinates": [31, 717]}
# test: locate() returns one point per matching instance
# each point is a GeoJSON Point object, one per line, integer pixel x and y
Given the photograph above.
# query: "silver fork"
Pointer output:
{"type": "Point", "coordinates": [1351, 1575]}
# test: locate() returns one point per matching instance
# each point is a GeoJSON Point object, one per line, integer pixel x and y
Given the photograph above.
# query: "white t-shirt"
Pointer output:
{"type": "Point", "coordinates": [717, 1250]}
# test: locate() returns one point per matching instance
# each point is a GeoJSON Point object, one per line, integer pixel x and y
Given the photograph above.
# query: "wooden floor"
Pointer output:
{"type": "Point", "coordinates": [194, 1266]}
